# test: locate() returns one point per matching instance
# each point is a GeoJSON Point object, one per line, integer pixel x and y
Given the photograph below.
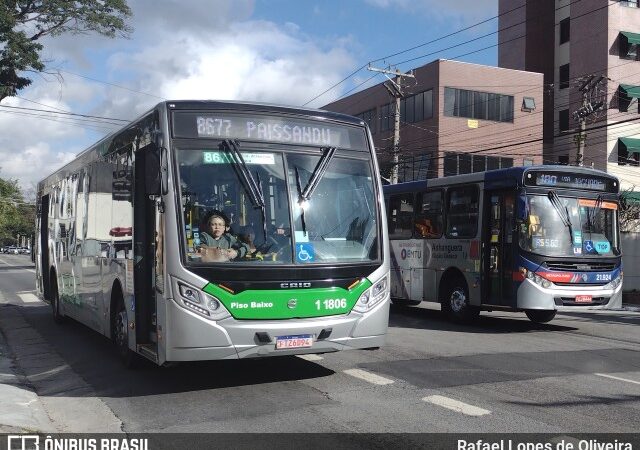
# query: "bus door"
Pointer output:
{"type": "Point", "coordinates": [43, 247]}
{"type": "Point", "coordinates": [145, 240]}
{"type": "Point", "coordinates": [499, 247]}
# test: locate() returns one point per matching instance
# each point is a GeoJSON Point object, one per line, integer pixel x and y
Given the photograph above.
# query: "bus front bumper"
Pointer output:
{"type": "Point", "coordinates": [562, 298]}
{"type": "Point", "coordinates": [194, 338]}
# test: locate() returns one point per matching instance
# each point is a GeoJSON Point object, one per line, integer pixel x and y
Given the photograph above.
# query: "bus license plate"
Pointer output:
{"type": "Point", "coordinates": [584, 298]}
{"type": "Point", "coordinates": [298, 341]}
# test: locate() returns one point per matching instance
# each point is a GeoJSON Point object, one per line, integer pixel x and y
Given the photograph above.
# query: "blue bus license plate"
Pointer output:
{"type": "Point", "coordinates": [298, 341]}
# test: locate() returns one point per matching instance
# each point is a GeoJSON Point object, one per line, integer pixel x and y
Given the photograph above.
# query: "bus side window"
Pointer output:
{"type": "Point", "coordinates": [462, 212]}
{"type": "Point", "coordinates": [400, 219]}
{"type": "Point", "coordinates": [428, 222]}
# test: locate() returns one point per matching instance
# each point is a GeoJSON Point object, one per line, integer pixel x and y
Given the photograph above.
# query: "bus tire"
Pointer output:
{"type": "Point", "coordinates": [540, 316]}
{"type": "Point", "coordinates": [58, 317]}
{"type": "Point", "coordinates": [120, 334]}
{"type": "Point", "coordinates": [403, 302]}
{"type": "Point", "coordinates": [455, 302]}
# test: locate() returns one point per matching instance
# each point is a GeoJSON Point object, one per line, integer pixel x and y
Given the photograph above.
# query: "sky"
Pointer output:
{"type": "Point", "coordinates": [278, 51]}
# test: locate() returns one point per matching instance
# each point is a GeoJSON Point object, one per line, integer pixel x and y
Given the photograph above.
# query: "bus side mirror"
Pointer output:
{"type": "Point", "coordinates": [156, 171]}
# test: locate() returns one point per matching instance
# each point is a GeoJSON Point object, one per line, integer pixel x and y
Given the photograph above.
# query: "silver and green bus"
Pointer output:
{"type": "Point", "coordinates": [534, 239]}
{"type": "Point", "coordinates": [123, 232]}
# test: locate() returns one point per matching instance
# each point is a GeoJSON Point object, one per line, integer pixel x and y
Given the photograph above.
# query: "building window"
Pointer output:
{"type": "Point", "coordinates": [565, 30]}
{"type": "Point", "coordinates": [563, 120]}
{"type": "Point", "coordinates": [369, 118]}
{"type": "Point", "coordinates": [627, 93]}
{"type": "Point", "coordinates": [629, 152]}
{"type": "Point", "coordinates": [528, 104]}
{"type": "Point", "coordinates": [450, 164]}
{"type": "Point", "coordinates": [630, 3]}
{"type": "Point", "coordinates": [527, 162]}
{"type": "Point", "coordinates": [418, 167]}
{"type": "Point", "coordinates": [493, 162]}
{"type": "Point", "coordinates": [629, 43]}
{"type": "Point", "coordinates": [386, 117]}
{"type": "Point", "coordinates": [563, 160]}
{"type": "Point", "coordinates": [417, 108]}
{"type": "Point", "coordinates": [479, 163]}
{"type": "Point", "coordinates": [564, 76]}
{"type": "Point", "coordinates": [464, 163]}
{"type": "Point", "coordinates": [478, 105]}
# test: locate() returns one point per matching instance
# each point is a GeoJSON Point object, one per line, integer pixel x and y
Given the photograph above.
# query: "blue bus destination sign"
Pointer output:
{"type": "Point", "coordinates": [268, 128]}
{"type": "Point", "coordinates": [570, 181]}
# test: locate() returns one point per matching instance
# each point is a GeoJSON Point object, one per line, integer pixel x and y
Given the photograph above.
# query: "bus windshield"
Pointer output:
{"type": "Point", "coordinates": [573, 227]}
{"type": "Point", "coordinates": [258, 198]}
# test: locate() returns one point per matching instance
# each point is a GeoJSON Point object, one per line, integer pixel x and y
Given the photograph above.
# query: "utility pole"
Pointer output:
{"type": "Point", "coordinates": [589, 88]}
{"type": "Point", "coordinates": [395, 90]}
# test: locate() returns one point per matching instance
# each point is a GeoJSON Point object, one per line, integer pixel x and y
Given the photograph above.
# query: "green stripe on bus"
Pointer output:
{"type": "Point", "coordinates": [289, 303]}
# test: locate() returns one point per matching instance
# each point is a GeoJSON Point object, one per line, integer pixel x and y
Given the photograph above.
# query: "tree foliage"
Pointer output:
{"type": "Point", "coordinates": [17, 217]}
{"type": "Point", "coordinates": [24, 22]}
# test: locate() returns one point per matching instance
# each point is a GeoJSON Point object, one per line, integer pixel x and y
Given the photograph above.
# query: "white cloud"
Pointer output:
{"type": "Point", "coordinates": [179, 50]}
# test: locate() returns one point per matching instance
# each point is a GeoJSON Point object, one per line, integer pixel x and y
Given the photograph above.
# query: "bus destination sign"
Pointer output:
{"type": "Point", "coordinates": [269, 129]}
{"type": "Point", "coordinates": [570, 181]}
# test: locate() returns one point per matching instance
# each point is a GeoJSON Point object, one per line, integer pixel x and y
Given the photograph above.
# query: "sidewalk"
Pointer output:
{"type": "Point", "coordinates": [44, 392]}
{"type": "Point", "coordinates": [21, 410]}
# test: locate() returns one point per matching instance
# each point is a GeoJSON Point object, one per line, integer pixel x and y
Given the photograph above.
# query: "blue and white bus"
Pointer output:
{"type": "Point", "coordinates": [534, 239]}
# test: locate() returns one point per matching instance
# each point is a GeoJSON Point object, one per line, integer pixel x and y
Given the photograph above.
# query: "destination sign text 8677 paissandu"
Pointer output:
{"type": "Point", "coordinates": [268, 128]}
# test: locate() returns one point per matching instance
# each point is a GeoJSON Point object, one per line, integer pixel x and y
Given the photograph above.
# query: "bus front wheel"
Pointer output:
{"type": "Point", "coordinates": [540, 316]}
{"type": "Point", "coordinates": [58, 317]}
{"type": "Point", "coordinates": [120, 335]}
{"type": "Point", "coordinates": [455, 302]}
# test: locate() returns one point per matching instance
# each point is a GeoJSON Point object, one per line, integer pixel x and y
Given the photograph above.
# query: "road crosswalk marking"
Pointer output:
{"type": "Point", "coordinates": [456, 405]}
{"type": "Point", "coordinates": [310, 357]}
{"type": "Point", "coordinates": [368, 376]}
{"type": "Point", "coordinates": [28, 298]}
{"type": "Point", "coordinates": [617, 378]}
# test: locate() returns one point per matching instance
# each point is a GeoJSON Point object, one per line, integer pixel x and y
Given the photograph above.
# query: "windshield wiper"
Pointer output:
{"type": "Point", "coordinates": [305, 194]}
{"type": "Point", "coordinates": [253, 188]}
{"type": "Point", "coordinates": [562, 212]}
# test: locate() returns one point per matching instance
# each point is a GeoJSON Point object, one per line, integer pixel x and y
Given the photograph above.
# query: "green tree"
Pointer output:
{"type": "Point", "coordinates": [17, 217]}
{"type": "Point", "coordinates": [24, 22]}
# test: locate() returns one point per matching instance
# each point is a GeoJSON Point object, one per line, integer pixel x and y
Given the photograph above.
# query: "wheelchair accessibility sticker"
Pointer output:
{"type": "Point", "coordinates": [305, 252]}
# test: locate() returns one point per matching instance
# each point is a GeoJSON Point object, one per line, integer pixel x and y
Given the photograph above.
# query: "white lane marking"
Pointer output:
{"type": "Point", "coordinates": [456, 405]}
{"type": "Point", "coordinates": [617, 378]}
{"type": "Point", "coordinates": [368, 376]}
{"type": "Point", "coordinates": [4, 262]}
{"type": "Point", "coordinates": [310, 357]}
{"type": "Point", "coordinates": [29, 298]}
{"type": "Point", "coordinates": [26, 292]}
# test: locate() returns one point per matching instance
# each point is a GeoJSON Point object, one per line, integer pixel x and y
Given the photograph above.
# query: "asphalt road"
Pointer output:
{"type": "Point", "coordinates": [580, 373]}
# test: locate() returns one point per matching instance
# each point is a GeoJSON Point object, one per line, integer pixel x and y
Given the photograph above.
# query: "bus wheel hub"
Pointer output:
{"type": "Point", "coordinates": [457, 300]}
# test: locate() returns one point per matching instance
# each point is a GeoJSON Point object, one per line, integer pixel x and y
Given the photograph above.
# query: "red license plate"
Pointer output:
{"type": "Point", "coordinates": [299, 341]}
{"type": "Point", "coordinates": [584, 298]}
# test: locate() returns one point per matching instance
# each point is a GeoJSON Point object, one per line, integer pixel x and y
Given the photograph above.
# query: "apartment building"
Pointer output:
{"type": "Point", "coordinates": [588, 53]}
{"type": "Point", "coordinates": [455, 118]}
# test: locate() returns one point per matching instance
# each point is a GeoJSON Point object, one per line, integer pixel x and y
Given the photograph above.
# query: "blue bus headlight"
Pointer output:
{"type": "Point", "coordinates": [372, 296]}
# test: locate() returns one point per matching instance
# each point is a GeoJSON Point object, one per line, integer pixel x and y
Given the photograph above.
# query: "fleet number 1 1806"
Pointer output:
{"type": "Point", "coordinates": [331, 303]}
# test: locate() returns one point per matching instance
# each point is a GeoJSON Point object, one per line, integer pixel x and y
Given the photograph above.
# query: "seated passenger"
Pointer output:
{"type": "Point", "coordinates": [217, 244]}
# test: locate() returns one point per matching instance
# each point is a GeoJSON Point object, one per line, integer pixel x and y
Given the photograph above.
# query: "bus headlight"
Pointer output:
{"type": "Point", "coordinates": [200, 303]}
{"type": "Point", "coordinates": [537, 279]}
{"type": "Point", "coordinates": [372, 296]}
{"type": "Point", "coordinates": [613, 284]}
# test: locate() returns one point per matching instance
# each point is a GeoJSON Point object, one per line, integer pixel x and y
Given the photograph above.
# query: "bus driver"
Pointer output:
{"type": "Point", "coordinates": [218, 244]}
